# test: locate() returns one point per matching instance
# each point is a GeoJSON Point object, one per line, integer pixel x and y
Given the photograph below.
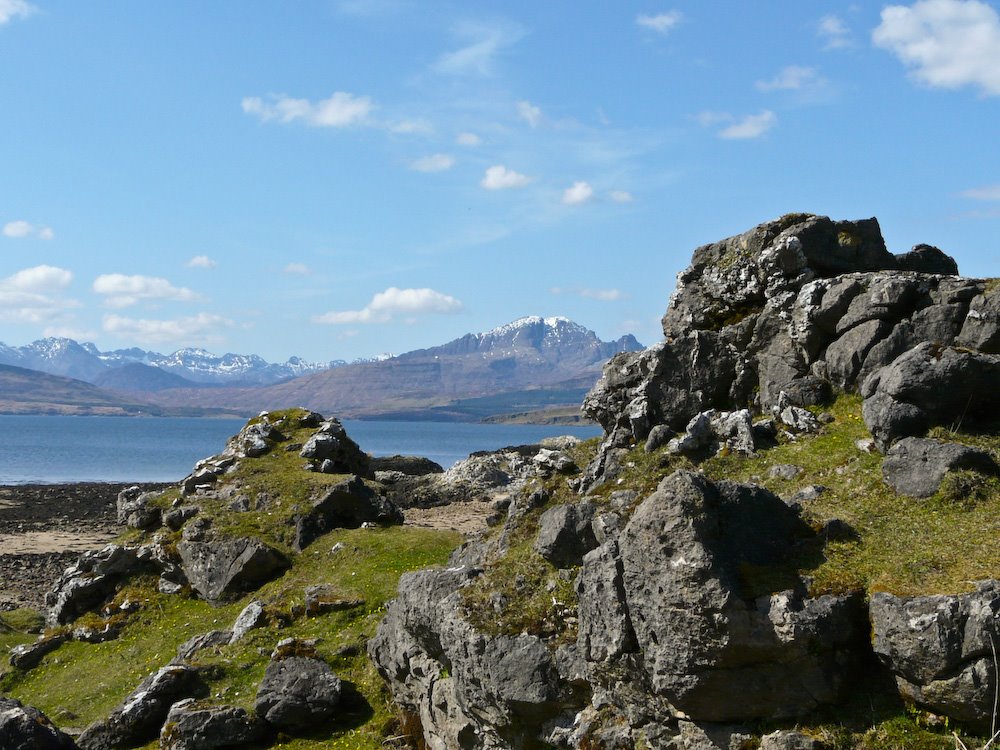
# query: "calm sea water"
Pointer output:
{"type": "Point", "coordinates": [129, 449]}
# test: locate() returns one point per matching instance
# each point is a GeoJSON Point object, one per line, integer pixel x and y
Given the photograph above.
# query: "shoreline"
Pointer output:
{"type": "Point", "coordinates": [44, 528]}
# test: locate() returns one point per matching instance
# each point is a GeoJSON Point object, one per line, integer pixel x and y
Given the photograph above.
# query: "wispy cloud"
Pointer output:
{"type": "Point", "coordinates": [34, 295]}
{"type": "Point", "coordinates": [482, 43]}
{"type": "Point", "coordinates": [340, 110]}
{"type": "Point", "coordinates": [411, 127]}
{"type": "Point", "coordinates": [498, 177]}
{"type": "Point", "coordinates": [201, 261]}
{"type": "Point", "coordinates": [660, 22]}
{"type": "Point", "coordinates": [621, 196]}
{"type": "Point", "coordinates": [297, 269]}
{"type": "Point", "coordinates": [750, 126]}
{"type": "Point", "coordinates": [392, 303]}
{"type": "Point", "coordinates": [529, 113]}
{"type": "Point", "coordinates": [791, 78]}
{"type": "Point", "coordinates": [21, 229]}
{"type": "Point", "coordinates": [834, 32]}
{"type": "Point", "coordinates": [947, 44]}
{"type": "Point", "coordinates": [200, 329]}
{"type": "Point", "coordinates": [433, 163]}
{"type": "Point", "coordinates": [120, 290]}
{"type": "Point", "coordinates": [11, 9]}
{"type": "Point", "coordinates": [602, 295]}
{"type": "Point", "coordinates": [985, 193]}
{"type": "Point", "coordinates": [577, 193]}
{"type": "Point", "coordinates": [468, 139]}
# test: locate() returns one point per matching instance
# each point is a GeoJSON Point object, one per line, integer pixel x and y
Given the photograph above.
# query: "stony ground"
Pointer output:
{"type": "Point", "coordinates": [44, 527]}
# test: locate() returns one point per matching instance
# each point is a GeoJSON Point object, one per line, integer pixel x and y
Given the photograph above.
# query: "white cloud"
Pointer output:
{"type": "Point", "coordinates": [529, 113]}
{"type": "Point", "coordinates": [122, 291]}
{"type": "Point", "coordinates": [203, 328]}
{"type": "Point", "coordinates": [498, 177]}
{"type": "Point", "coordinates": [468, 139]}
{"type": "Point", "coordinates": [201, 261]}
{"type": "Point", "coordinates": [34, 294]}
{"type": "Point", "coordinates": [392, 302]}
{"type": "Point", "coordinates": [836, 33]}
{"type": "Point", "coordinates": [947, 43]}
{"type": "Point", "coordinates": [68, 332]}
{"type": "Point", "coordinates": [11, 9]}
{"type": "Point", "coordinates": [707, 119]}
{"type": "Point", "coordinates": [577, 193]}
{"type": "Point", "coordinates": [661, 22]}
{"type": "Point", "coordinates": [791, 78]}
{"type": "Point", "coordinates": [602, 295]}
{"type": "Point", "coordinates": [20, 229]}
{"type": "Point", "coordinates": [340, 110]}
{"type": "Point", "coordinates": [412, 127]}
{"type": "Point", "coordinates": [985, 193]}
{"type": "Point", "coordinates": [434, 163]}
{"type": "Point", "coordinates": [483, 44]}
{"type": "Point", "coordinates": [621, 196]}
{"type": "Point", "coordinates": [297, 269]}
{"type": "Point", "coordinates": [751, 126]}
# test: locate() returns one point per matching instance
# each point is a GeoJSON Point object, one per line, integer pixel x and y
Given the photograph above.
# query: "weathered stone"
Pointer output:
{"type": "Point", "coordinates": [927, 259]}
{"type": "Point", "coordinates": [415, 466]}
{"type": "Point", "coordinates": [225, 567]}
{"type": "Point", "coordinates": [91, 581]}
{"type": "Point", "coordinates": [29, 655]}
{"type": "Point", "coordinates": [139, 717]}
{"type": "Point", "coordinates": [177, 517]}
{"type": "Point", "coordinates": [297, 693]}
{"type": "Point", "coordinates": [940, 649]}
{"type": "Point", "coordinates": [784, 471]}
{"type": "Point", "coordinates": [331, 443]}
{"type": "Point", "coordinates": [658, 437]}
{"type": "Point", "coordinates": [212, 639]}
{"type": "Point", "coordinates": [134, 509]}
{"type": "Point", "coordinates": [704, 736]}
{"type": "Point", "coordinates": [982, 325]}
{"type": "Point", "coordinates": [323, 597]}
{"type": "Point", "coordinates": [253, 616]}
{"type": "Point", "coordinates": [190, 726]}
{"type": "Point", "coordinates": [347, 504]}
{"type": "Point", "coordinates": [565, 534]}
{"type": "Point", "coordinates": [26, 728]}
{"type": "Point", "coordinates": [786, 739]}
{"type": "Point", "coordinates": [916, 466]}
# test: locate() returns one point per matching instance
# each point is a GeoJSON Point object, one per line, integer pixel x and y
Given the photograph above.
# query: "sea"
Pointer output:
{"type": "Point", "coordinates": [61, 449]}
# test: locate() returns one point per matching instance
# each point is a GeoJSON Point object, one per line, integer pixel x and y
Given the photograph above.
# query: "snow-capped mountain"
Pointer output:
{"type": "Point", "coordinates": [62, 356]}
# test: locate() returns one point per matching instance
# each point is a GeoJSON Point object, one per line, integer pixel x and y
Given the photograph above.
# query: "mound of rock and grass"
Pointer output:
{"type": "Point", "coordinates": [785, 540]}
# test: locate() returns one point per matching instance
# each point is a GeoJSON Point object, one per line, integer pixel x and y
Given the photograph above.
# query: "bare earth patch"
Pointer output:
{"type": "Point", "coordinates": [37, 542]}
{"type": "Point", "coordinates": [465, 518]}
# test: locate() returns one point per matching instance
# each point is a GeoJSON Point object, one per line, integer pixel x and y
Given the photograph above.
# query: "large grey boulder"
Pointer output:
{"type": "Point", "coordinates": [29, 655]}
{"type": "Point", "coordinates": [931, 385]}
{"type": "Point", "coordinates": [565, 534]}
{"type": "Point", "coordinates": [331, 443]}
{"type": "Point", "coordinates": [916, 466]}
{"type": "Point", "coordinates": [140, 716]}
{"type": "Point", "coordinates": [297, 693]}
{"type": "Point", "coordinates": [26, 728]}
{"type": "Point", "coordinates": [347, 504]}
{"type": "Point", "coordinates": [91, 581]}
{"type": "Point", "coordinates": [941, 650]}
{"type": "Point", "coordinates": [190, 726]}
{"type": "Point", "coordinates": [730, 656]}
{"type": "Point", "coordinates": [134, 509]}
{"type": "Point", "coordinates": [223, 567]}
{"type": "Point", "coordinates": [982, 325]}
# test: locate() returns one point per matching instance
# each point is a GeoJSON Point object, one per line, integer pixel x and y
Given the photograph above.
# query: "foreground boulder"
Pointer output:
{"type": "Point", "coordinates": [190, 726]}
{"type": "Point", "coordinates": [297, 693]}
{"type": "Point", "coordinates": [916, 466]}
{"type": "Point", "coordinates": [348, 504]}
{"type": "Point", "coordinates": [92, 580]}
{"type": "Point", "coordinates": [222, 568]}
{"type": "Point", "coordinates": [941, 650]}
{"type": "Point", "coordinates": [141, 715]}
{"type": "Point", "coordinates": [26, 728]}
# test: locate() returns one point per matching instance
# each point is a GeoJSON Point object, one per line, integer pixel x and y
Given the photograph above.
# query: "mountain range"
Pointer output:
{"type": "Point", "coordinates": [529, 366]}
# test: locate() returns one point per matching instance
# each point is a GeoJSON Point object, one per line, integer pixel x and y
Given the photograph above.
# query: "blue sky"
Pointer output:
{"type": "Point", "coordinates": [336, 179]}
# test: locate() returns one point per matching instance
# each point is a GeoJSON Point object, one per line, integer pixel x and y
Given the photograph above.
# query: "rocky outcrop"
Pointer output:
{"type": "Point", "coordinates": [916, 466]}
{"type": "Point", "coordinates": [191, 726]}
{"type": "Point", "coordinates": [92, 580]}
{"type": "Point", "coordinates": [942, 650]}
{"type": "Point", "coordinates": [297, 693]}
{"type": "Point", "coordinates": [26, 728]}
{"type": "Point", "coordinates": [221, 568]}
{"type": "Point", "coordinates": [348, 504]}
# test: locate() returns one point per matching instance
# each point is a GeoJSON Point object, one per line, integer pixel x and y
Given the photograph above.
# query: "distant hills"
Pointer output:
{"type": "Point", "coordinates": [532, 368]}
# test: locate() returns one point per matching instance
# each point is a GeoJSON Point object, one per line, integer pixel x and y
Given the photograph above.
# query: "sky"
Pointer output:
{"type": "Point", "coordinates": [336, 179]}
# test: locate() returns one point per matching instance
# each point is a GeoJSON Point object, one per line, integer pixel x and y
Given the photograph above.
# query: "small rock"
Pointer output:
{"type": "Point", "coordinates": [252, 617]}
{"type": "Point", "coordinates": [658, 437]}
{"type": "Point", "coordinates": [190, 727]}
{"type": "Point", "coordinates": [322, 598]}
{"type": "Point", "coordinates": [211, 639]}
{"type": "Point", "coordinates": [785, 739]}
{"type": "Point", "coordinates": [784, 471]}
{"type": "Point", "coordinates": [565, 534]}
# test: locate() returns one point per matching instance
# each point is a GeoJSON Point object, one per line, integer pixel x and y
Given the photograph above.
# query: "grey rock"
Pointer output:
{"type": "Point", "coordinates": [26, 728]}
{"type": "Point", "coordinates": [981, 329]}
{"type": "Point", "coordinates": [29, 655]}
{"type": "Point", "coordinates": [297, 693]}
{"type": "Point", "coordinates": [321, 598]}
{"type": "Point", "coordinates": [347, 504]}
{"type": "Point", "coordinates": [799, 419]}
{"type": "Point", "coordinates": [704, 736]}
{"type": "Point", "coordinates": [135, 511]}
{"type": "Point", "coordinates": [931, 385]}
{"type": "Point", "coordinates": [190, 726]}
{"type": "Point", "coordinates": [786, 739]}
{"type": "Point", "coordinates": [784, 471]}
{"type": "Point", "coordinates": [177, 517]}
{"type": "Point", "coordinates": [549, 461]}
{"type": "Point", "coordinates": [807, 494]}
{"type": "Point", "coordinates": [137, 720]}
{"type": "Point", "coordinates": [927, 259]}
{"type": "Point", "coordinates": [226, 567]}
{"type": "Point", "coordinates": [698, 435]}
{"type": "Point", "coordinates": [253, 616]}
{"type": "Point", "coordinates": [565, 534]}
{"type": "Point", "coordinates": [331, 443]}
{"type": "Point", "coordinates": [658, 437]}
{"type": "Point", "coordinates": [212, 639]}
{"type": "Point", "coordinates": [916, 466]}
{"type": "Point", "coordinates": [846, 356]}
{"type": "Point", "coordinates": [415, 466]}
{"type": "Point", "coordinates": [91, 581]}
{"type": "Point", "coordinates": [940, 649]}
